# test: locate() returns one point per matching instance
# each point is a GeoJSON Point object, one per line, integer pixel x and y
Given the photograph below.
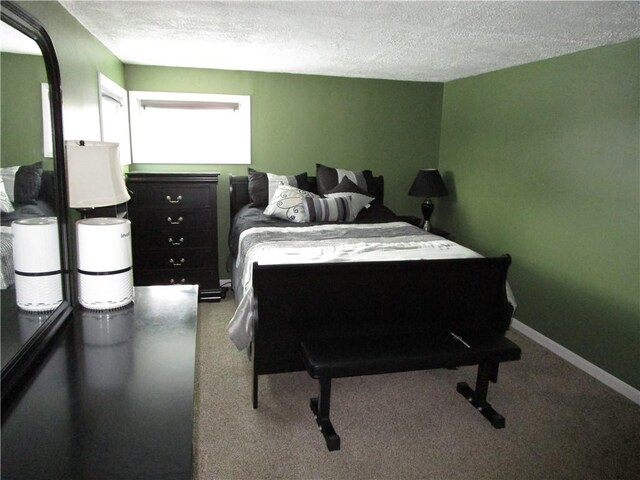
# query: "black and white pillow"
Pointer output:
{"type": "Point", "coordinates": [5, 204]}
{"type": "Point", "coordinates": [8, 175]}
{"type": "Point", "coordinates": [335, 209]}
{"type": "Point", "coordinates": [359, 198]}
{"type": "Point", "coordinates": [328, 178]}
{"type": "Point", "coordinates": [262, 185]}
{"type": "Point", "coordinates": [288, 203]}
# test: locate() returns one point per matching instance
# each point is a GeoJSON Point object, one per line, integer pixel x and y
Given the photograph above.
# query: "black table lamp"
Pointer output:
{"type": "Point", "coordinates": [428, 183]}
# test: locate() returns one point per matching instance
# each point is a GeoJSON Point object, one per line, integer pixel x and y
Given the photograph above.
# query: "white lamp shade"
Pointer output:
{"type": "Point", "coordinates": [94, 175]}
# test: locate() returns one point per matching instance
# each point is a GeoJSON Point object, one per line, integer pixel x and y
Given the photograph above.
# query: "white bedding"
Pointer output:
{"type": "Point", "coordinates": [6, 258]}
{"type": "Point", "coordinates": [333, 247]}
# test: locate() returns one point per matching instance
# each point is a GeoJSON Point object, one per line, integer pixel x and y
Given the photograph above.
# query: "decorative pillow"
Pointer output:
{"type": "Point", "coordinates": [48, 187]}
{"type": "Point", "coordinates": [328, 178]}
{"type": "Point", "coordinates": [359, 198]}
{"type": "Point", "coordinates": [8, 175]}
{"type": "Point", "coordinates": [335, 209]}
{"type": "Point", "coordinates": [27, 186]}
{"type": "Point", "coordinates": [5, 204]}
{"type": "Point", "coordinates": [262, 186]}
{"type": "Point", "coordinates": [288, 203]}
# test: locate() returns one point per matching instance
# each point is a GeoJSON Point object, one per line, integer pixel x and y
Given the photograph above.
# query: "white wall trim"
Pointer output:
{"type": "Point", "coordinates": [576, 360]}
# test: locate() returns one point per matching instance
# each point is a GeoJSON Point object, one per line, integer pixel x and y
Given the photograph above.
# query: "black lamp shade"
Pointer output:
{"type": "Point", "coordinates": [428, 183]}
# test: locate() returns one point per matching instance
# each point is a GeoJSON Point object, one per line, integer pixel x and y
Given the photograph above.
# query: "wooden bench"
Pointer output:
{"type": "Point", "coordinates": [328, 358]}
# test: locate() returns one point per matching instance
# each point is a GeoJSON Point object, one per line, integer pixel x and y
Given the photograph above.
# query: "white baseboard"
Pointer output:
{"type": "Point", "coordinates": [576, 360]}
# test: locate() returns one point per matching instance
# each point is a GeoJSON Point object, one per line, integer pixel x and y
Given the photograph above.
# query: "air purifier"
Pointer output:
{"type": "Point", "coordinates": [104, 263]}
{"type": "Point", "coordinates": [36, 262]}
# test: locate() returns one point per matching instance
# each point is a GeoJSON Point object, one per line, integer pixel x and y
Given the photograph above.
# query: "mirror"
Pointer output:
{"type": "Point", "coordinates": [30, 74]}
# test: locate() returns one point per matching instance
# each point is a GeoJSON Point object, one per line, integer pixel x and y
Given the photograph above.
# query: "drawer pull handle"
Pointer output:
{"type": "Point", "coordinates": [173, 281]}
{"type": "Point", "coordinates": [176, 222]}
{"type": "Point", "coordinates": [176, 264]}
{"type": "Point", "coordinates": [177, 200]}
{"type": "Point", "coordinates": [179, 242]}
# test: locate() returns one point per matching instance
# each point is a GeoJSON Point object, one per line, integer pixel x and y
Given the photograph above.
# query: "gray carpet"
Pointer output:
{"type": "Point", "coordinates": [561, 423]}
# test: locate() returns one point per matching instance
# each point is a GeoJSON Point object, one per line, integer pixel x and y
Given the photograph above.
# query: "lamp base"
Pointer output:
{"type": "Point", "coordinates": [427, 210]}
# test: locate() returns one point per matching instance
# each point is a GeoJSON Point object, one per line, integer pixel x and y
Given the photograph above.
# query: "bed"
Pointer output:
{"type": "Point", "coordinates": [25, 192]}
{"type": "Point", "coordinates": [293, 276]}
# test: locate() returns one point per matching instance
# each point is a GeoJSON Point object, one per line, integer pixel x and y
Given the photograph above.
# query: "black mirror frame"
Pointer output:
{"type": "Point", "coordinates": [16, 372]}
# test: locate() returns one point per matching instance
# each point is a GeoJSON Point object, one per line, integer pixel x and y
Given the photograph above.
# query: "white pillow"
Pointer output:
{"type": "Point", "coordinates": [358, 202]}
{"type": "Point", "coordinates": [288, 203]}
{"type": "Point", "coordinates": [5, 204]}
{"type": "Point", "coordinates": [8, 175]}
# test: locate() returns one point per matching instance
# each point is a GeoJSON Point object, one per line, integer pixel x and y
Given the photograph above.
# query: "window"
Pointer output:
{"type": "Point", "coordinates": [47, 131]}
{"type": "Point", "coordinates": [190, 128]}
{"type": "Point", "coordinates": [114, 116]}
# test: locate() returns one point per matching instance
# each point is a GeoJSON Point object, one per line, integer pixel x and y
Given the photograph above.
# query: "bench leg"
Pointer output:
{"type": "Point", "coordinates": [486, 372]}
{"type": "Point", "coordinates": [254, 393]}
{"type": "Point", "coordinates": [494, 374]}
{"type": "Point", "coordinates": [320, 407]}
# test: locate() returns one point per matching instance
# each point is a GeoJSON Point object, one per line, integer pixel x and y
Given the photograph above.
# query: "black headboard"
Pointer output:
{"type": "Point", "coordinates": [239, 191]}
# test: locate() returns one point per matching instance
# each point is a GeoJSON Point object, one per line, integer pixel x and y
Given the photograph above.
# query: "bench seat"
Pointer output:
{"type": "Point", "coordinates": [350, 357]}
{"type": "Point", "coordinates": [328, 358]}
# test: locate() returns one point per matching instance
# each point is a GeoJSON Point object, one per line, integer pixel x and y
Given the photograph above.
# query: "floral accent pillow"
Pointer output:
{"type": "Point", "coordinates": [288, 203]}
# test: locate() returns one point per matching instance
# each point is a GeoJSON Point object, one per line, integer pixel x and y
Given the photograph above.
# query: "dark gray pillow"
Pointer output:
{"type": "Point", "coordinates": [347, 186]}
{"type": "Point", "coordinates": [26, 189]}
{"type": "Point", "coordinates": [48, 187]}
{"type": "Point", "coordinates": [259, 185]}
{"type": "Point", "coordinates": [328, 178]}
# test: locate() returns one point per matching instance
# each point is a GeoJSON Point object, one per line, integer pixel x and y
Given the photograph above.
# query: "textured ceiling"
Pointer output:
{"type": "Point", "coordinates": [411, 40]}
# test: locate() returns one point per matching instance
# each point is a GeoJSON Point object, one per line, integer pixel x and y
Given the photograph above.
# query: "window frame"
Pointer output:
{"type": "Point", "coordinates": [47, 130]}
{"type": "Point", "coordinates": [109, 89]}
{"type": "Point", "coordinates": [191, 101]}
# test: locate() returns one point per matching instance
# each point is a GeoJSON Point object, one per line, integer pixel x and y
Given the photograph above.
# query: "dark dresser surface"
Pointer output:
{"type": "Point", "coordinates": [114, 398]}
{"type": "Point", "coordinates": [174, 226]}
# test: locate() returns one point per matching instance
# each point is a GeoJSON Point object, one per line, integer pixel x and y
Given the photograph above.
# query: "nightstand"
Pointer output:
{"type": "Point", "coordinates": [439, 232]}
{"type": "Point", "coordinates": [419, 222]}
{"type": "Point", "coordinates": [416, 221]}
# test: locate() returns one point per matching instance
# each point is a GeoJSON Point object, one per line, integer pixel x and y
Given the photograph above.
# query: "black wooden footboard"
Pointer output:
{"type": "Point", "coordinates": [297, 302]}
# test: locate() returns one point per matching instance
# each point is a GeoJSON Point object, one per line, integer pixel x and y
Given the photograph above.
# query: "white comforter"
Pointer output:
{"type": "Point", "coordinates": [6, 258]}
{"type": "Point", "coordinates": [417, 245]}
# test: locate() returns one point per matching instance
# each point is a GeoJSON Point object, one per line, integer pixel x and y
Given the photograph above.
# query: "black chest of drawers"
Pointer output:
{"type": "Point", "coordinates": [174, 226]}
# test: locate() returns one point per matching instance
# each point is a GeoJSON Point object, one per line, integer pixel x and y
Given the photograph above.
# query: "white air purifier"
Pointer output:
{"type": "Point", "coordinates": [105, 275]}
{"type": "Point", "coordinates": [36, 262]}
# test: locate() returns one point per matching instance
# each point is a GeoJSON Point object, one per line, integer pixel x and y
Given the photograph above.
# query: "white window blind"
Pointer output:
{"type": "Point", "coordinates": [190, 128]}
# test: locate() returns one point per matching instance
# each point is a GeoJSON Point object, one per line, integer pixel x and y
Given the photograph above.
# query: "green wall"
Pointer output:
{"type": "Point", "coordinates": [21, 103]}
{"type": "Point", "coordinates": [390, 127]}
{"type": "Point", "coordinates": [81, 57]}
{"type": "Point", "coordinates": [544, 163]}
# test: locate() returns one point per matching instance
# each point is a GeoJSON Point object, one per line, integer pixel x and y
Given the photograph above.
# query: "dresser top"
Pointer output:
{"type": "Point", "coordinates": [114, 399]}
